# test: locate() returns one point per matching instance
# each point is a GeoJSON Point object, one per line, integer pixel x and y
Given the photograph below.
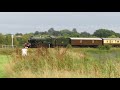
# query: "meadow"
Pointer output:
{"type": "Point", "coordinates": [4, 59]}
{"type": "Point", "coordinates": [60, 63]}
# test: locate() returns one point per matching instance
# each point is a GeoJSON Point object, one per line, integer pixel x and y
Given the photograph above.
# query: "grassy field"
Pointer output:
{"type": "Point", "coordinates": [4, 59]}
{"type": "Point", "coordinates": [61, 63]}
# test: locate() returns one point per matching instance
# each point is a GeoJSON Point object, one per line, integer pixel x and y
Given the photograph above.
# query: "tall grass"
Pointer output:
{"type": "Point", "coordinates": [65, 62]}
{"type": "Point", "coordinates": [3, 60]}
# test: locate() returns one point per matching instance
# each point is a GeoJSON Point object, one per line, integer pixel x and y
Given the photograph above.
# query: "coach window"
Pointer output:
{"type": "Point", "coordinates": [117, 41]}
{"type": "Point", "coordinates": [80, 41]}
{"type": "Point", "coordinates": [92, 41]}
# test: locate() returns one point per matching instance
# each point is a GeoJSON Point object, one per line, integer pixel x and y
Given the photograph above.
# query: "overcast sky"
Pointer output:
{"type": "Point", "coordinates": [26, 22]}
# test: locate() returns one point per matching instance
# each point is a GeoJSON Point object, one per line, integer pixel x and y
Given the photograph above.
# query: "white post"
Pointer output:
{"type": "Point", "coordinates": [12, 40]}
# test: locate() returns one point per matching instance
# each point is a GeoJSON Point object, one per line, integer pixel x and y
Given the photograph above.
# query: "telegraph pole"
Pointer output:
{"type": "Point", "coordinates": [12, 40]}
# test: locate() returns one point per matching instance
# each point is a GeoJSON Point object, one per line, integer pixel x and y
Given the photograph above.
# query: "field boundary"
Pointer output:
{"type": "Point", "coordinates": [9, 46]}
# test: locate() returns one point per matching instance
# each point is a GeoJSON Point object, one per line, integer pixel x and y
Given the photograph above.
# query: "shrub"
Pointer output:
{"type": "Point", "coordinates": [69, 46]}
{"type": "Point", "coordinates": [105, 47]}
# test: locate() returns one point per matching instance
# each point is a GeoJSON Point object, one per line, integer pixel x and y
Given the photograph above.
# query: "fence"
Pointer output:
{"type": "Point", "coordinates": [9, 46]}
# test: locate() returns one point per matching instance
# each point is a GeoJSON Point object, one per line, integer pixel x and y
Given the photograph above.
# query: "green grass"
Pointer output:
{"type": "Point", "coordinates": [3, 60]}
{"type": "Point", "coordinates": [61, 62]}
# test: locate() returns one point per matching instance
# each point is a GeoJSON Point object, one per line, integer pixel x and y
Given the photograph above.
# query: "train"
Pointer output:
{"type": "Point", "coordinates": [36, 42]}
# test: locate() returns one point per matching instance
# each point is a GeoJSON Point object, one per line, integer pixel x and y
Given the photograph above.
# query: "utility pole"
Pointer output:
{"type": "Point", "coordinates": [12, 40]}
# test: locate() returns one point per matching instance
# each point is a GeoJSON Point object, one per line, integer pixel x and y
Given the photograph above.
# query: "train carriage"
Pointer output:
{"type": "Point", "coordinates": [86, 42]}
{"type": "Point", "coordinates": [111, 41]}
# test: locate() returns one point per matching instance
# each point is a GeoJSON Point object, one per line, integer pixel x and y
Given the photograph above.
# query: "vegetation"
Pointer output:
{"type": "Point", "coordinates": [70, 62]}
{"type": "Point", "coordinates": [4, 59]}
{"type": "Point", "coordinates": [105, 33]}
{"type": "Point", "coordinates": [64, 62]}
{"type": "Point", "coordinates": [20, 39]}
{"type": "Point", "coordinates": [105, 47]}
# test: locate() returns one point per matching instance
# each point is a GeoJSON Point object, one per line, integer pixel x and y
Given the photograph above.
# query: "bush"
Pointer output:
{"type": "Point", "coordinates": [69, 46]}
{"type": "Point", "coordinates": [105, 47]}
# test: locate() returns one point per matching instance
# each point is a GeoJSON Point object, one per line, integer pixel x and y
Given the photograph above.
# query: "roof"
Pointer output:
{"type": "Point", "coordinates": [111, 38]}
{"type": "Point", "coordinates": [85, 38]}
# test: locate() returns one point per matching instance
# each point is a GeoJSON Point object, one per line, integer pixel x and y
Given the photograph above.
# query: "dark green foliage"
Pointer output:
{"type": "Point", "coordinates": [85, 34]}
{"type": "Point", "coordinates": [8, 39]}
{"type": "Point", "coordinates": [69, 46]}
{"type": "Point", "coordinates": [74, 30]}
{"type": "Point", "coordinates": [117, 34]}
{"type": "Point", "coordinates": [36, 33]}
{"type": "Point", "coordinates": [105, 47]}
{"type": "Point", "coordinates": [104, 33]}
{"type": "Point", "coordinates": [2, 38]}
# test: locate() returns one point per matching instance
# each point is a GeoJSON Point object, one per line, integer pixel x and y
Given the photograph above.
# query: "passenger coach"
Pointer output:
{"type": "Point", "coordinates": [86, 42]}
{"type": "Point", "coordinates": [111, 41]}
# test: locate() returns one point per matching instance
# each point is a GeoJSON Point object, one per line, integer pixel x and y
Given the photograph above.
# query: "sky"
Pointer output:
{"type": "Point", "coordinates": [27, 22]}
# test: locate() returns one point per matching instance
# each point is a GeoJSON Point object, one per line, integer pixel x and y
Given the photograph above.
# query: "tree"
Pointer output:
{"type": "Point", "coordinates": [2, 38]}
{"type": "Point", "coordinates": [85, 34]}
{"type": "Point", "coordinates": [56, 33]}
{"type": "Point", "coordinates": [18, 34]}
{"type": "Point", "coordinates": [15, 41]}
{"type": "Point", "coordinates": [117, 34]}
{"type": "Point", "coordinates": [74, 30]}
{"type": "Point", "coordinates": [24, 39]}
{"type": "Point", "coordinates": [8, 39]}
{"type": "Point", "coordinates": [44, 33]}
{"type": "Point", "coordinates": [51, 31]}
{"type": "Point", "coordinates": [66, 31]}
{"type": "Point", "coordinates": [103, 33]}
{"type": "Point", "coordinates": [36, 33]}
{"type": "Point", "coordinates": [20, 41]}
{"type": "Point", "coordinates": [112, 36]}
{"type": "Point", "coordinates": [75, 35]}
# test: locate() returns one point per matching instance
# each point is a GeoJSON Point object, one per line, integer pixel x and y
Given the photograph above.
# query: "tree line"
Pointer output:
{"type": "Point", "coordinates": [20, 39]}
{"type": "Point", "coordinates": [102, 33]}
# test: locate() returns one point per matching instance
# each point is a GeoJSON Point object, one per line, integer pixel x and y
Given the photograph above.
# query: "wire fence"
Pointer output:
{"type": "Point", "coordinates": [9, 46]}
